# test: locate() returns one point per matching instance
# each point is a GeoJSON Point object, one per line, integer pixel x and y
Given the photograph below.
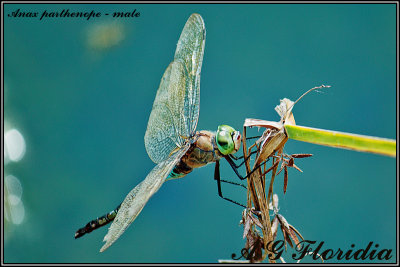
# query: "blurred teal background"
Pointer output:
{"type": "Point", "coordinates": [80, 93]}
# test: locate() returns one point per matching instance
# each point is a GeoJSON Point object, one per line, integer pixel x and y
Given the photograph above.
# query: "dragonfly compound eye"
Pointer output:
{"type": "Point", "coordinates": [224, 139]}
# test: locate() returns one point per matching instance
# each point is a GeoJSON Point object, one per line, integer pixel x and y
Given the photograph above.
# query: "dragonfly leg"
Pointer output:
{"type": "Point", "coordinates": [253, 152]}
{"type": "Point", "coordinates": [230, 182]}
{"type": "Point", "coordinates": [237, 158]}
{"type": "Point", "coordinates": [252, 137]}
{"type": "Point", "coordinates": [235, 168]}
{"type": "Point", "coordinates": [97, 223]}
{"type": "Point", "coordinates": [218, 179]}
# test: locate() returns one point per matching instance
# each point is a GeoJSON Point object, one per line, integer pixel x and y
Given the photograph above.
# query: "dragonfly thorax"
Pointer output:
{"type": "Point", "coordinates": [204, 149]}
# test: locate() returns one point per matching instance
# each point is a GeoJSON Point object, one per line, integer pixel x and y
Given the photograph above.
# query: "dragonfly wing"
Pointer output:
{"type": "Point", "coordinates": [138, 197]}
{"type": "Point", "coordinates": [190, 49]}
{"type": "Point", "coordinates": [166, 123]}
{"type": "Point", "coordinates": [176, 107]}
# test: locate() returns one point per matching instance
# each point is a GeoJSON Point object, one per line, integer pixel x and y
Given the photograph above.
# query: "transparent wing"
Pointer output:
{"type": "Point", "coordinates": [176, 107]}
{"type": "Point", "coordinates": [138, 197]}
{"type": "Point", "coordinates": [190, 49]}
{"type": "Point", "coordinates": [166, 124]}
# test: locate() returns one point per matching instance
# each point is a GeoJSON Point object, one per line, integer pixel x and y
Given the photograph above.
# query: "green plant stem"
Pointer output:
{"type": "Point", "coordinates": [344, 140]}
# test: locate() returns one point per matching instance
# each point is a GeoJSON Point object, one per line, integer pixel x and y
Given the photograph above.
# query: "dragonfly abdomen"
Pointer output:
{"type": "Point", "coordinates": [99, 222]}
{"type": "Point", "coordinates": [180, 170]}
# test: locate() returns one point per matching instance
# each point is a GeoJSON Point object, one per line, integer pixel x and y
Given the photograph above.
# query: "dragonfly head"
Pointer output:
{"type": "Point", "coordinates": [228, 139]}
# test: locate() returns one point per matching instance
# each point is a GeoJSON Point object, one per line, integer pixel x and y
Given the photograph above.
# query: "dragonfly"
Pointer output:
{"type": "Point", "coordinates": [171, 139]}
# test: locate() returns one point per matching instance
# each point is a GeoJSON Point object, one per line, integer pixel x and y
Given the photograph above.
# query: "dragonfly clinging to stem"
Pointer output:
{"type": "Point", "coordinates": [171, 139]}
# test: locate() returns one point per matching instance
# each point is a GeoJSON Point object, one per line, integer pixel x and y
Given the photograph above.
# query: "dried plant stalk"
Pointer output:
{"type": "Point", "coordinates": [270, 145]}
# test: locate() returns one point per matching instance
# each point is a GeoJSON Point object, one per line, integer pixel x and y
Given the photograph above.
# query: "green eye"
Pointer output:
{"type": "Point", "coordinates": [226, 128]}
{"type": "Point", "coordinates": [224, 139]}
